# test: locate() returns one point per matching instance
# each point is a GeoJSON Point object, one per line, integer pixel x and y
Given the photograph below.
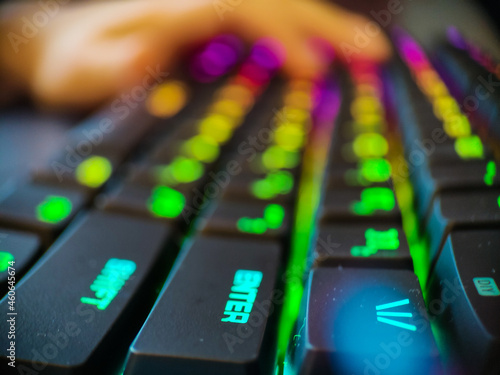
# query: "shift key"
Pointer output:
{"type": "Point", "coordinates": [85, 297]}
{"type": "Point", "coordinates": [215, 314]}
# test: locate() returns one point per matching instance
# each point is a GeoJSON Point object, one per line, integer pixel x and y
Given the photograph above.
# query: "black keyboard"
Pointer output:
{"type": "Point", "coordinates": [251, 225]}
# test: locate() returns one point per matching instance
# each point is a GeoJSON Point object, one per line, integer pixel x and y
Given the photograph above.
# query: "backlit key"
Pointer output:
{"type": "Point", "coordinates": [216, 313]}
{"type": "Point", "coordinates": [87, 295]}
{"type": "Point", "coordinates": [360, 321]}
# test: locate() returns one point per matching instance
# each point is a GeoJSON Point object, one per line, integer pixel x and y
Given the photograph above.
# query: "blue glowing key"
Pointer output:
{"type": "Point", "coordinates": [361, 321]}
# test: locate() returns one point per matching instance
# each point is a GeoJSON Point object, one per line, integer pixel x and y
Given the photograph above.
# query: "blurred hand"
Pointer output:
{"type": "Point", "coordinates": [88, 53]}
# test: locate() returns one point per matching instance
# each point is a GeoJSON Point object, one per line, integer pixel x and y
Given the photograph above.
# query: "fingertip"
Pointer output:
{"type": "Point", "coordinates": [304, 62]}
{"type": "Point", "coordinates": [378, 50]}
{"type": "Point", "coordinates": [370, 39]}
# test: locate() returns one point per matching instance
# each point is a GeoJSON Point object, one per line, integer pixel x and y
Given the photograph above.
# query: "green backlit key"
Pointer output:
{"type": "Point", "coordinates": [17, 250]}
{"type": "Point", "coordinates": [161, 202]}
{"type": "Point", "coordinates": [87, 295]}
{"type": "Point", "coordinates": [360, 204]}
{"type": "Point", "coordinates": [41, 209]}
{"type": "Point", "coordinates": [215, 314]}
{"type": "Point", "coordinates": [273, 186]}
{"type": "Point", "coordinates": [431, 180]}
{"type": "Point", "coordinates": [366, 173]}
{"type": "Point", "coordinates": [361, 245]}
{"type": "Point", "coordinates": [255, 219]}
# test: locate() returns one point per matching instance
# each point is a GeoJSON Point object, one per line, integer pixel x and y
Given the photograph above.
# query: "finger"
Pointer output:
{"type": "Point", "coordinates": [345, 31]}
{"type": "Point", "coordinates": [86, 79]}
{"type": "Point", "coordinates": [300, 60]}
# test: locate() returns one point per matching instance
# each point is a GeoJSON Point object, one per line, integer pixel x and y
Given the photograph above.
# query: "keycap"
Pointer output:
{"type": "Point", "coordinates": [96, 147]}
{"type": "Point", "coordinates": [362, 321]}
{"type": "Point", "coordinates": [362, 146]}
{"type": "Point", "coordinates": [41, 209]}
{"type": "Point", "coordinates": [160, 202]}
{"type": "Point", "coordinates": [84, 298]}
{"type": "Point", "coordinates": [85, 173]}
{"type": "Point", "coordinates": [370, 203]}
{"type": "Point", "coordinates": [474, 208]}
{"type": "Point", "coordinates": [151, 176]}
{"type": "Point", "coordinates": [171, 144]}
{"type": "Point", "coordinates": [259, 220]}
{"type": "Point", "coordinates": [370, 245]}
{"type": "Point", "coordinates": [464, 300]}
{"type": "Point", "coordinates": [465, 175]}
{"type": "Point", "coordinates": [275, 186]}
{"type": "Point", "coordinates": [367, 173]}
{"type": "Point", "coordinates": [215, 314]}
{"type": "Point", "coordinates": [18, 247]}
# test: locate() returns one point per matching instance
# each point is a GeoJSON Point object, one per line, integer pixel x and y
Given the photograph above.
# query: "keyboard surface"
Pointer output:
{"type": "Point", "coordinates": [242, 223]}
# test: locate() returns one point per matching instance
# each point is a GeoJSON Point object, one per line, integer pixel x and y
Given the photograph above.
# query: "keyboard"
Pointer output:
{"type": "Point", "coordinates": [229, 221]}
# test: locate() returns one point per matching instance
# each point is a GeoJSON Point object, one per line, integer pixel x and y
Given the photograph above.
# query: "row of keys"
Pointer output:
{"type": "Point", "coordinates": [223, 296]}
{"type": "Point", "coordinates": [265, 204]}
{"type": "Point", "coordinates": [458, 201]}
{"type": "Point", "coordinates": [444, 186]}
{"type": "Point", "coordinates": [360, 198]}
{"type": "Point", "coordinates": [362, 309]}
{"type": "Point", "coordinates": [475, 76]}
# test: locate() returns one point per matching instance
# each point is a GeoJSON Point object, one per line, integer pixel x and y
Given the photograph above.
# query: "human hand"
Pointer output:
{"type": "Point", "coordinates": [88, 53]}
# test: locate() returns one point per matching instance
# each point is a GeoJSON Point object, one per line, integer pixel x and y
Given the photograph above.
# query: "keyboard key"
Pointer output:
{"type": "Point", "coordinates": [165, 175]}
{"type": "Point", "coordinates": [161, 202]}
{"type": "Point", "coordinates": [167, 147]}
{"type": "Point", "coordinates": [367, 173]}
{"type": "Point", "coordinates": [474, 208]}
{"type": "Point", "coordinates": [84, 173]}
{"type": "Point", "coordinates": [219, 304]}
{"type": "Point", "coordinates": [361, 321]}
{"type": "Point", "coordinates": [464, 300]}
{"type": "Point", "coordinates": [274, 186]}
{"type": "Point", "coordinates": [361, 245]}
{"type": "Point", "coordinates": [260, 220]}
{"type": "Point", "coordinates": [360, 204]}
{"type": "Point", "coordinates": [17, 247]}
{"type": "Point", "coordinates": [433, 179]}
{"type": "Point", "coordinates": [41, 209]}
{"type": "Point", "coordinates": [76, 304]}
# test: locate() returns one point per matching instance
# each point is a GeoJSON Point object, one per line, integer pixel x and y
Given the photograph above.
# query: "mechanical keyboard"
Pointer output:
{"type": "Point", "coordinates": [232, 222]}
